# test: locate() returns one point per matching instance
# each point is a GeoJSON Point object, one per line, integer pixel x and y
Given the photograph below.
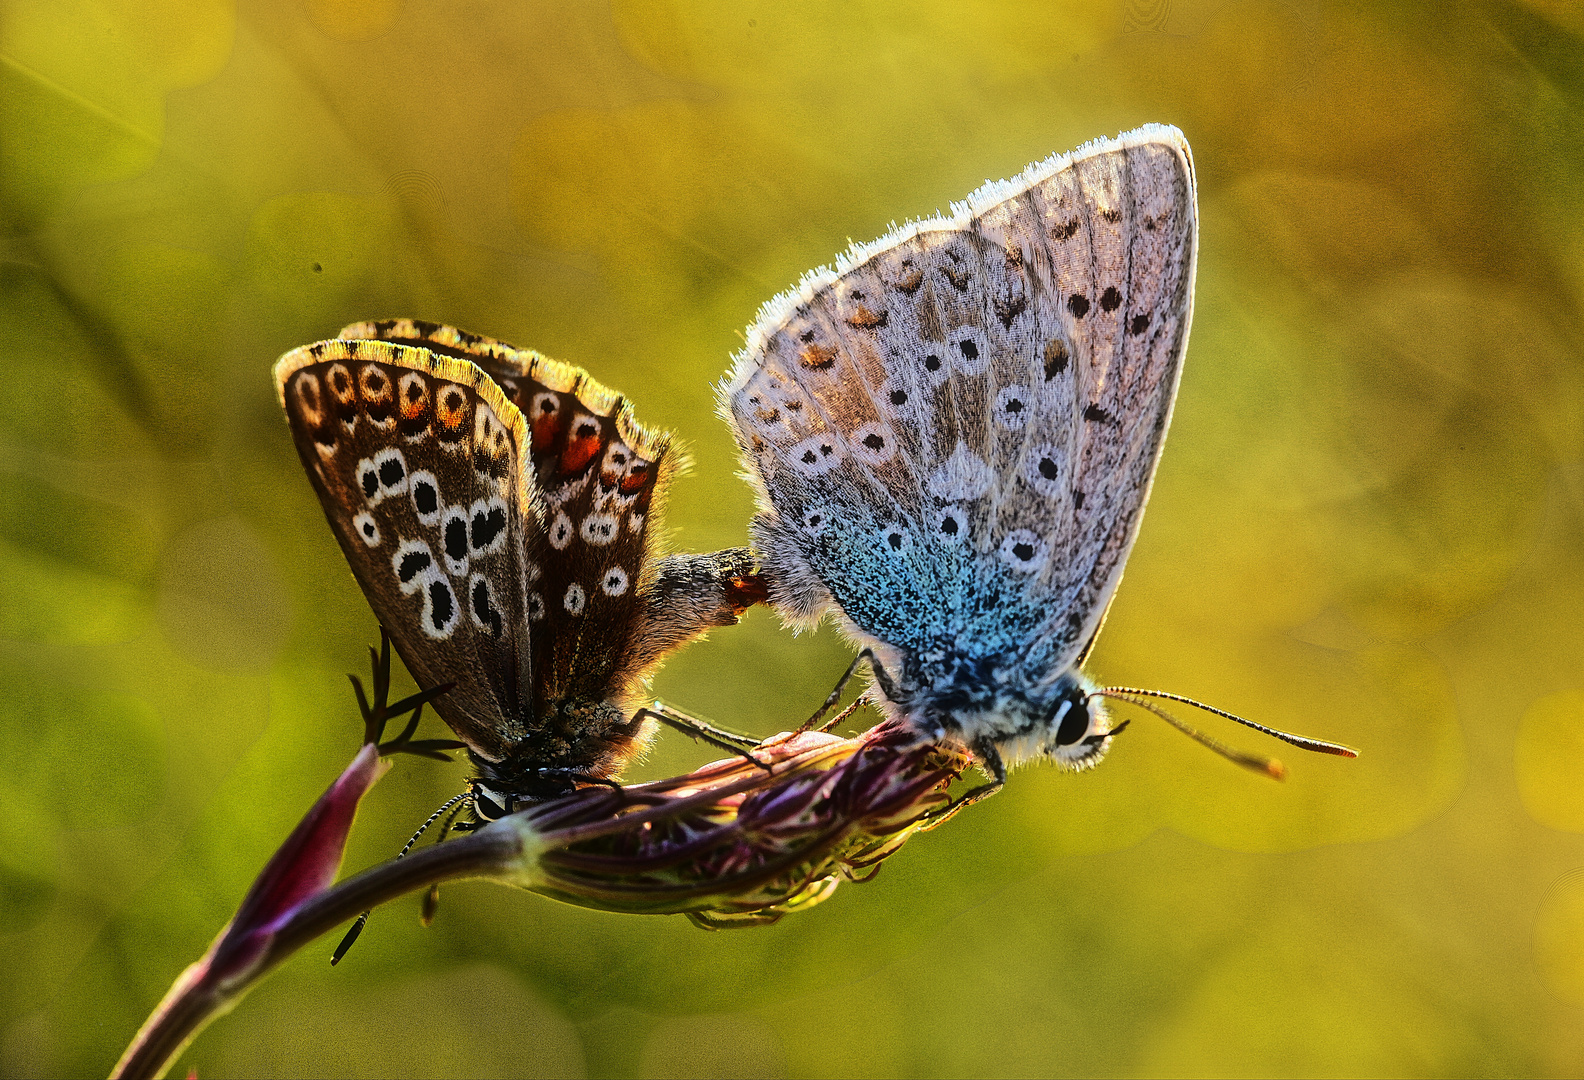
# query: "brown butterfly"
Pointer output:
{"type": "Point", "coordinates": [500, 511]}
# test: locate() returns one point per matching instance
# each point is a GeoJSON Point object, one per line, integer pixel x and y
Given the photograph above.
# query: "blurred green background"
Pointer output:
{"type": "Point", "coordinates": [1368, 525]}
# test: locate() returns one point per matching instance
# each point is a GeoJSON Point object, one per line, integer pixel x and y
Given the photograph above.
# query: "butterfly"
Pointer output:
{"type": "Point", "coordinates": [499, 510]}
{"type": "Point", "coordinates": [953, 434]}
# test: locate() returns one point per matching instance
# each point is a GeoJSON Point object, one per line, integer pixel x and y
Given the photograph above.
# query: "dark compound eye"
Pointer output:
{"type": "Point", "coordinates": [1072, 722]}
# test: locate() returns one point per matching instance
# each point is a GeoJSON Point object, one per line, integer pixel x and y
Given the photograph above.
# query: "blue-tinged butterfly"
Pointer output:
{"type": "Point", "coordinates": [500, 511]}
{"type": "Point", "coordinates": [953, 433]}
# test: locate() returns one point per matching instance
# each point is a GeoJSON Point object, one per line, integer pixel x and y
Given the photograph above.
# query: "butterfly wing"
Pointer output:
{"type": "Point", "coordinates": [418, 461]}
{"type": "Point", "coordinates": [617, 606]}
{"type": "Point", "coordinates": [954, 432]}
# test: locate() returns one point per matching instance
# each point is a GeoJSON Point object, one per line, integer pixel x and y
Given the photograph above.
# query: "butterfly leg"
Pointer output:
{"type": "Point", "coordinates": [720, 738]}
{"type": "Point", "coordinates": [990, 761]}
{"type": "Point", "coordinates": [882, 679]}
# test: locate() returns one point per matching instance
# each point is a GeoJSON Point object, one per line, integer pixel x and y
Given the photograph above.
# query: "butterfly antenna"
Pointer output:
{"type": "Point", "coordinates": [362, 920]}
{"type": "Point", "coordinates": [1269, 766]}
{"type": "Point", "coordinates": [431, 900]}
{"type": "Point", "coordinates": [1319, 746]}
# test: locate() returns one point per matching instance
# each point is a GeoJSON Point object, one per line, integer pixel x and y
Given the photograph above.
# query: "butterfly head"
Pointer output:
{"type": "Point", "coordinates": [1068, 725]}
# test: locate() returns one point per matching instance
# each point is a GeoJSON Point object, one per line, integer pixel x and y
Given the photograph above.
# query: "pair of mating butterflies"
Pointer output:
{"type": "Point", "coordinates": [953, 435]}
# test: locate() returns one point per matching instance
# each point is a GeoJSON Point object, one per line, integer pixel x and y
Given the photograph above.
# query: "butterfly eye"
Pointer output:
{"type": "Point", "coordinates": [1072, 721]}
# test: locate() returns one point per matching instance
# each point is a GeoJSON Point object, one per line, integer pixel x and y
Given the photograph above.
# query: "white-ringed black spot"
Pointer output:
{"type": "Point", "coordinates": [614, 583]}
{"type": "Point", "coordinates": [1023, 550]}
{"type": "Point", "coordinates": [899, 398]}
{"type": "Point", "coordinates": [973, 349]}
{"type": "Point", "coordinates": [951, 525]}
{"type": "Point", "coordinates": [895, 539]}
{"type": "Point", "coordinates": [391, 472]}
{"type": "Point", "coordinates": [367, 530]}
{"type": "Point", "coordinates": [932, 363]}
{"type": "Point", "coordinates": [368, 479]}
{"type": "Point", "coordinates": [455, 536]}
{"type": "Point", "coordinates": [872, 443]}
{"type": "Point", "coordinates": [486, 616]}
{"type": "Point", "coordinates": [1046, 470]}
{"type": "Point", "coordinates": [488, 524]}
{"type": "Point", "coordinates": [574, 599]}
{"type": "Point", "coordinates": [561, 531]}
{"type": "Point", "coordinates": [411, 562]}
{"type": "Point", "coordinates": [816, 454]}
{"type": "Point", "coordinates": [536, 607]}
{"type": "Point", "coordinates": [426, 497]}
{"type": "Point", "coordinates": [440, 612]}
{"type": "Point", "coordinates": [599, 529]}
{"type": "Point", "coordinates": [391, 468]}
{"type": "Point", "coordinates": [1012, 407]}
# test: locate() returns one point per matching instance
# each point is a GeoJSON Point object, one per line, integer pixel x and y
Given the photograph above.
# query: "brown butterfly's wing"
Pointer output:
{"type": "Point", "coordinates": [418, 460]}
{"type": "Point", "coordinates": [614, 605]}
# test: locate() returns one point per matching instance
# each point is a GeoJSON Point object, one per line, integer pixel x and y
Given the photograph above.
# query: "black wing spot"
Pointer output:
{"type": "Point", "coordinates": [487, 526]}
{"type": "Point", "coordinates": [1049, 469]}
{"type": "Point", "coordinates": [1138, 325]}
{"type": "Point", "coordinates": [1023, 552]}
{"type": "Point", "coordinates": [1096, 413]}
{"type": "Point", "coordinates": [453, 401]}
{"type": "Point", "coordinates": [483, 610]}
{"type": "Point", "coordinates": [949, 525]}
{"type": "Point", "coordinates": [895, 540]}
{"type": "Point", "coordinates": [1078, 304]}
{"type": "Point", "coordinates": [370, 480]}
{"type": "Point", "coordinates": [970, 351]}
{"type": "Point", "coordinates": [391, 472]}
{"type": "Point", "coordinates": [1056, 357]}
{"type": "Point", "coordinates": [413, 563]}
{"type": "Point", "coordinates": [932, 363]}
{"type": "Point", "coordinates": [874, 442]}
{"type": "Point", "coordinates": [1110, 300]}
{"type": "Point", "coordinates": [456, 539]}
{"type": "Point", "coordinates": [442, 605]}
{"type": "Point", "coordinates": [899, 398]}
{"type": "Point", "coordinates": [1078, 499]}
{"type": "Point", "coordinates": [425, 497]}
{"type": "Point", "coordinates": [810, 457]}
{"type": "Point", "coordinates": [368, 529]}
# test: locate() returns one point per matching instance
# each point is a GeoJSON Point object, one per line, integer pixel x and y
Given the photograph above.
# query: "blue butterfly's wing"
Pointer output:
{"type": "Point", "coordinates": [954, 432]}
